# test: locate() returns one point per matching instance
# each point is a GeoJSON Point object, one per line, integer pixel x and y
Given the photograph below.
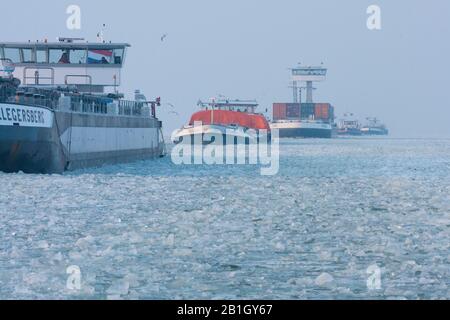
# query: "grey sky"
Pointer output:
{"type": "Point", "coordinates": [243, 48]}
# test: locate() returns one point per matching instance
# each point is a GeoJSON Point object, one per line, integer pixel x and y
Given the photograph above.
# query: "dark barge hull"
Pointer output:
{"type": "Point", "coordinates": [306, 133]}
{"type": "Point", "coordinates": [372, 132]}
{"type": "Point", "coordinates": [350, 132]}
{"type": "Point", "coordinates": [30, 150]}
{"type": "Point", "coordinates": [77, 141]}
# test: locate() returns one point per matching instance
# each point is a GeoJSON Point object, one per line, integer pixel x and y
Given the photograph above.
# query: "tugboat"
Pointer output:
{"type": "Point", "coordinates": [374, 128]}
{"type": "Point", "coordinates": [233, 121]}
{"type": "Point", "coordinates": [56, 113]}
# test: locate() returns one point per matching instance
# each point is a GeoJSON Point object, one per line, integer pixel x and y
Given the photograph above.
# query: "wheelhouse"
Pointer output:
{"type": "Point", "coordinates": [63, 53]}
{"type": "Point", "coordinates": [246, 106]}
{"type": "Point", "coordinates": [90, 66]}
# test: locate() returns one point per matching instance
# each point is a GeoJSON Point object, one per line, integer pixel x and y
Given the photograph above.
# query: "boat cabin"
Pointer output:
{"type": "Point", "coordinates": [89, 66]}
{"type": "Point", "coordinates": [353, 124]}
{"type": "Point", "coordinates": [245, 106]}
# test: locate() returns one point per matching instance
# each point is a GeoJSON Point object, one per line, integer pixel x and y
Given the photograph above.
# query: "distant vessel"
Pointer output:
{"type": "Point", "coordinates": [55, 114]}
{"type": "Point", "coordinates": [374, 127]}
{"type": "Point", "coordinates": [349, 126]}
{"type": "Point", "coordinates": [305, 120]}
{"type": "Point", "coordinates": [233, 121]}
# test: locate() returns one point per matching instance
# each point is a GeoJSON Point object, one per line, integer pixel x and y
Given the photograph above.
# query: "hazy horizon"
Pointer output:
{"type": "Point", "coordinates": [243, 49]}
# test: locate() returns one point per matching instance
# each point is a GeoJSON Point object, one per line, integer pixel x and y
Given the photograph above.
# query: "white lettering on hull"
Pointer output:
{"type": "Point", "coordinates": [25, 116]}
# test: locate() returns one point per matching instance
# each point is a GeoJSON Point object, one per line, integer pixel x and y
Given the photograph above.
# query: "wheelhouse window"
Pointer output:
{"type": "Point", "coordinates": [27, 55]}
{"type": "Point", "coordinates": [100, 56]}
{"type": "Point", "coordinates": [118, 56]}
{"type": "Point", "coordinates": [41, 56]}
{"type": "Point", "coordinates": [77, 56]}
{"type": "Point", "coordinates": [73, 56]}
{"type": "Point", "coordinates": [59, 56]}
{"type": "Point", "coordinates": [13, 54]}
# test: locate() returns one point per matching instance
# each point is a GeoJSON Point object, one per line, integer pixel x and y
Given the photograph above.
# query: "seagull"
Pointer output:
{"type": "Point", "coordinates": [164, 36]}
{"type": "Point", "coordinates": [174, 112]}
{"type": "Point", "coordinates": [170, 105]}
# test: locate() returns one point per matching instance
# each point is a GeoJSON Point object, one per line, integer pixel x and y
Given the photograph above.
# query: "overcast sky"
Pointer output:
{"type": "Point", "coordinates": [243, 49]}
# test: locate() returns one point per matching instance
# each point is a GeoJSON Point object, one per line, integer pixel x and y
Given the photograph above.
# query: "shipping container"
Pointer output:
{"type": "Point", "coordinates": [310, 111]}
{"type": "Point", "coordinates": [307, 110]}
{"type": "Point", "coordinates": [279, 111]}
{"type": "Point", "coordinates": [324, 111]}
{"type": "Point", "coordinates": [293, 111]}
{"type": "Point", "coordinates": [331, 114]}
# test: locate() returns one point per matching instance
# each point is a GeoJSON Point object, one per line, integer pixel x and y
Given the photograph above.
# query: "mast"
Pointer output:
{"type": "Point", "coordinates": [308, 74]}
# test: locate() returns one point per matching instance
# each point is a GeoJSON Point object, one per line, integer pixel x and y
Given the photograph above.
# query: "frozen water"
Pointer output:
{"type": "Point", "coordinates": [153, 230]}
{"type": "Point", "coordinates": [324, 279]}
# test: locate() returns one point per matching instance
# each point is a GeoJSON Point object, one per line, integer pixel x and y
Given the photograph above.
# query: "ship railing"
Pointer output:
{"type": "Point", "coordinates": [130, 108]}
{"type": "Point", "coordinates": [37, 77]}
{"type": "Point", "coordinates": [74, 102]}
{"type": "Point", "coordinates": [36, 102]}
{"type": "Point", "coordinates": [102, 105]}
{"type": "Point", "coordinates": [33, 99]}
{"type": "Point", "coordinates": [87, 105]}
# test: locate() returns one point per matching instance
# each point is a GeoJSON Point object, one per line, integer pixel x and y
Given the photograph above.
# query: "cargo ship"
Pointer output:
{"type": "Point", "coordinates": [304, 120]}
{"type": "Point", "coordinates": [60, 109]}
{"type": "Point", "coordinates": [231, 121]}
{"type": "Point", "coordinates": [374, 128]}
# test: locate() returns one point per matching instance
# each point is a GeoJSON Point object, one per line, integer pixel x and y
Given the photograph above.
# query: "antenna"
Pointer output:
{"type": "Point", "coordinates": [69, 40]}
{"type": "Point", "coordinates": [100, 35]}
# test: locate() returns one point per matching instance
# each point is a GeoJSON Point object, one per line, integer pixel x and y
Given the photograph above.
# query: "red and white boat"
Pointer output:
{"type": "Point", "coordinates": [232, 121]}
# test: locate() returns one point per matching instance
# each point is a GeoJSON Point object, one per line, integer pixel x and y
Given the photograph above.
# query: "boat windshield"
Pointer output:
{"type": "Point", "coordinates": [54, 54]}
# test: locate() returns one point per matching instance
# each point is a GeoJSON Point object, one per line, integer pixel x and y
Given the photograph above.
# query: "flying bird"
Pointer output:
{"type": "Point", "coordinates": [163, 37]}
{"type": "Point", "coordinates": [175, 113]}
